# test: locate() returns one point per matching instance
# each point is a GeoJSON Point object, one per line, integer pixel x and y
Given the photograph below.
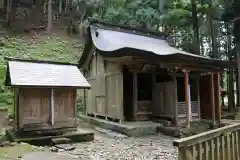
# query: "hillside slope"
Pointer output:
{"type": "Point", "coordinates": [61, 49]}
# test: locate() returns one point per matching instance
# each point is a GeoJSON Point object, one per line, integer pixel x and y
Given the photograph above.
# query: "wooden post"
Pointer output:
{"type": "Point", "coordinates": [198, 92]}
{"type": "Point", "coordinates": [212, 99]}
{"type": "Point", "coordinates": [52, 107]}
{"type": "Point", "coordinates": [135, 95]}
{"type": "Point", "coordinates": [217, 96]}
{"type": "Point", "coordinates": [153, 92]}
{"type": "Point", "coordinates": [238, 85]}
{"type": "Point", "coordinates": [238, 70]}
{"type": "Point", "coordinates": [186, 97]}
{"type": "Point", "coordinates": [175, 98]}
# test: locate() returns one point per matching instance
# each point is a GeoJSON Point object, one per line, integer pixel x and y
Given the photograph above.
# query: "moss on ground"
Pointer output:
{"type": "Point", "coordinates": [15, 151]}
{"type": "Point", "coordinates": [43, 48]}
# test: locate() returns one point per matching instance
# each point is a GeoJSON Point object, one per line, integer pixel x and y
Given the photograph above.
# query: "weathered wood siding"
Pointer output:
{"type": "Point", "coordinates": [114, 95]}
{"type": "Point", "coordinates": [105, 98]}
{"type": "Point", "coordinates": [35, 108]}
{"type": "Point", "coordinates": [65, 107]}
{"type": "Point", "coordinates": [164, 100]}
{"type": "Point", "coordinates": [205, 97]}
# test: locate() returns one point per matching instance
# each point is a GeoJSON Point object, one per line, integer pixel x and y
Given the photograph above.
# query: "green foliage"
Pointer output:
{"type": "Point", "coordinates": [45, 48]}
{"type": "Point", "coordinates": [21, 13]}
{"type": "Point", "coordinates": [80, 104]}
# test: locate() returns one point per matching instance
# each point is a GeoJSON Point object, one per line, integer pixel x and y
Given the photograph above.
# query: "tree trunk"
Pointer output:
{"type": "Point", "coordinates": [60, 7]}
{"type": "Point", "coordinates": [196, 41]}
{"type": "Point", "coordinates": [9, 12]}
{"type": "Point", "coordinates": [213, 33]}
{"type": "Point", "coordinates": [49, 26]}
{"type": "Point", "coordinates": [231, 102]}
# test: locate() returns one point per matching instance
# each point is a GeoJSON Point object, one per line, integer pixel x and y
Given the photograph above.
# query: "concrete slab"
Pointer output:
{"type": "Point", "coordinates": [132, 129]}
{"type": "Point", "coordinates": [80, 135]}
{"type": "Point", "coordinates": [136, 129]}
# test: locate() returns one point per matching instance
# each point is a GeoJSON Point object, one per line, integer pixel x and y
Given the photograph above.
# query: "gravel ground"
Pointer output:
{"type": "Point", "coordinates": [108, 146]}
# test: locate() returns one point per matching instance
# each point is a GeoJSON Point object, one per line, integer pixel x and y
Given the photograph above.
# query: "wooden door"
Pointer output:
{"type": "Point", "coordinates": [158, 98]}
{"type": "Point", "coordinates": [64, 107]}
{"type": "Point", "coordinates": [163, 98]}
{"type": "Point", "coordinates": [34, 106]}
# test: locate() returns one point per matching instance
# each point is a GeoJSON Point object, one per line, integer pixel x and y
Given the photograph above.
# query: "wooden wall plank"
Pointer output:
{"type": "Point", "coordinates": [206, 151]}
{"type": "Point", "coordinates": [223, 147]}
{"type": "Point", "coordinates": [34, 105]}
{"type": "Point", "coordinates": [200, 151]}
{"type": "Point", "coordinates": [237, 146]}
{"type": "Point", "coordinates": [205, 94]}
{"type": "Point", "coordinates": [163, 99]}
{"type": "Point", "coordinates": [114, 89]}
{"type": "Point", "coordinates": [233, 146]}
{"type": "Point", "coordinates": [64, 103]}
{"type": "Point", "coordinates": [228, 147]}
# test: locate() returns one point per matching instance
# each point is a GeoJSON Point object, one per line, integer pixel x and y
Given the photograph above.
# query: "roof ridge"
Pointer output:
{"type": "Point", "coordinates": [129, 29]}
{"type": "Point", "coordinates": [38, 61]}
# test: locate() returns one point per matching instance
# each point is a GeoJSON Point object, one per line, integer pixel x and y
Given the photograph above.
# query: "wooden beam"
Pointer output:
{"type": "Point", "coordinates": [212, 99]}
{"type": "Point", "coordinates": [187, 98]}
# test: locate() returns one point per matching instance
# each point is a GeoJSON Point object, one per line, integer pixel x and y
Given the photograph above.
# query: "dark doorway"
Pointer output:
{"type": "Point", "coordinates": [128, 94]}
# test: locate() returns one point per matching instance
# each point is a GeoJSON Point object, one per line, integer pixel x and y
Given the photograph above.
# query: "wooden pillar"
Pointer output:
{"type": "Point", "coordinates": [52, 107]}
{"type": "Point", "coordinates": [187, 97]}
{"type": "Point", "coordinates": [217, 96]}
{"type": "Point", "coordinates": [175, 99]}
{"type": "Point", "coordinates": [212, 98]}
{"type": "Point", "coordinates": [135, 95]}
{"type": "Point", "coordinates": [238, 84]}
{"type": "Point", "coordinates": [198, 93]}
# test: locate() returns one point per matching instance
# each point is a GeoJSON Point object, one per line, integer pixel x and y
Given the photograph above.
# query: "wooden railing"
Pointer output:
{"type": "Point", "coordinates": [217, 144]}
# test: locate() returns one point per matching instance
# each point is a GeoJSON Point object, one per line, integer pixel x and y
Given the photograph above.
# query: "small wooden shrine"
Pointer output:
{"type": "Point", "coordinates": [44, 94]}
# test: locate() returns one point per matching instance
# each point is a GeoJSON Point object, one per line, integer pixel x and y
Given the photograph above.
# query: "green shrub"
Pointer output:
{"type": "Point", "coordinates": [80, 104]}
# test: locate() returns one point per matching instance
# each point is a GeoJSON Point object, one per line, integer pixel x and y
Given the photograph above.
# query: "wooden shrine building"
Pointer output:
{"type": "Point", "coordinates": [136, 75]}
{"type": "Point", "coordinates": [45, 94]}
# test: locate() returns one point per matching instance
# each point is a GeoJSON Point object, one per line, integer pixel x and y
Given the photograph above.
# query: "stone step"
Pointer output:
{"type": "Point", "coordinates": [62, 140]}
